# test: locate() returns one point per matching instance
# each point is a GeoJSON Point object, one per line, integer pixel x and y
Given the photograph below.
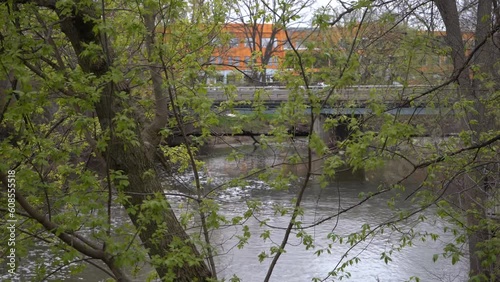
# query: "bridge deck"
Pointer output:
{"type": "Point", "coordinates": [356, 96]}
{"type": "Point", "coordinates": [354, 93]}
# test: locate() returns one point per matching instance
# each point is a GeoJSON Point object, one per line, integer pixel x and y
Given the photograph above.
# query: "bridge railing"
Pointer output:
{"type": "Point", "coordinates": [357, 94]}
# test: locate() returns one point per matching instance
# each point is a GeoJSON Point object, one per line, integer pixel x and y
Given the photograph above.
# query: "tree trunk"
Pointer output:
{"type": "Point", "coordinates": [477, 121]}
{"type": "Point", "coordinates": [134, 162]}
{"type": "Point", "coordinates": [449, 13]}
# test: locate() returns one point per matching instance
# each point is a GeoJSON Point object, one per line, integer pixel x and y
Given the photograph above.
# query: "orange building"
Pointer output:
{"type": "Point", "coordinates": [262, 48]}
{"type": "Point", "coordinates": [249, 49]}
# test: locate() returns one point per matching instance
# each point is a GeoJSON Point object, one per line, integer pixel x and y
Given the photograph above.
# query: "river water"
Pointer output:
{"type": "Point", "coordinates": [299, 264]}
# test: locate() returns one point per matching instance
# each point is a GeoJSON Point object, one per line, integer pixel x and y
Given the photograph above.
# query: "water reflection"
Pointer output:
{"type": "Point", "coordinates": [299, 264]}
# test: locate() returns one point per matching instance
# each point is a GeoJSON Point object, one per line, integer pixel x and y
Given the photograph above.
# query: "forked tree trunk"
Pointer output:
{"type": "Point", "coordinates": [133, 161]}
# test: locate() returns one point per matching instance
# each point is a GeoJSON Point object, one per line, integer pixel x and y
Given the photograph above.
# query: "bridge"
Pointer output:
{"type": "Point", "coordinates": [352, 100]}
{"type": "Point", "coordinates": [357, 97]}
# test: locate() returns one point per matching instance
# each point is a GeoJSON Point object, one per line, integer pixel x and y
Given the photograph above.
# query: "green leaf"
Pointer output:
{"type": "Point", "coordinates": [435, 257]}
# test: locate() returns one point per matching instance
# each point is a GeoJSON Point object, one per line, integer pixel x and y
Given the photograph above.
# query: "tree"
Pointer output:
{"type": "Point", "coordinates": [91, 93]}
{"type": "Point", "coordinates": [479, 91]}
{"type": "Point", "coordinates": [69, 79]}
{"type": "Point", "coordinates": [252, 17]}
{"type": "Point", "coordinates": [467, 168]}
{"type": "Point", "coordinates": [476, 82]}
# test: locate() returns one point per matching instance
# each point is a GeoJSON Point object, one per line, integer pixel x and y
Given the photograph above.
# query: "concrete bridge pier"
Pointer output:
{"type": "Point", "coordinates": [331, 136]}
{"type": "Point", "coordinates": [328, 136]}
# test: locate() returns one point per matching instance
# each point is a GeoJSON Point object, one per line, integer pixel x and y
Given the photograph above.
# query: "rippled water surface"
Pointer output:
{"type": "Point", "coordinates": [299, 264]}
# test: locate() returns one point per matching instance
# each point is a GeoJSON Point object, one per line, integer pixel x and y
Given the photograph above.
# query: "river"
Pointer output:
{"type": "Point", "coordinates": [299, 264]}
